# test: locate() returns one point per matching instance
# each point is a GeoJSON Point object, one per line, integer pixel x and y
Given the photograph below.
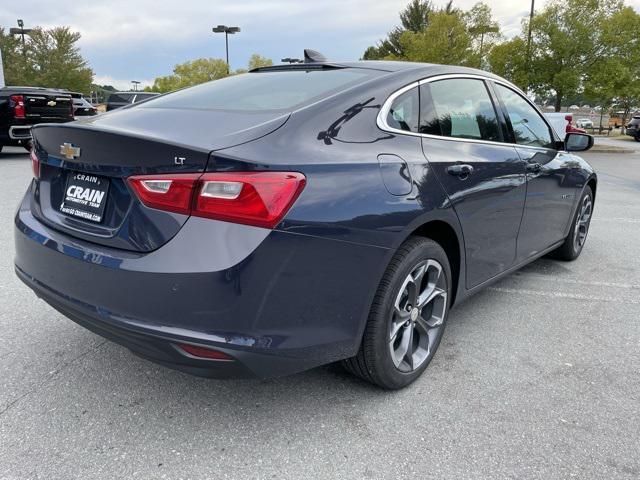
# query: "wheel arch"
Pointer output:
{"type": "Point", "coordinates": [593, 183]}
{"type": "Point", "coordinates": [445, 235]}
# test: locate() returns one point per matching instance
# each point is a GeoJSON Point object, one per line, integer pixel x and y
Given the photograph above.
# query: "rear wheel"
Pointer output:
{"type": "Point", "coordinates": [407, 318]}
{"type": "Point", "coordinates": [573, 244]}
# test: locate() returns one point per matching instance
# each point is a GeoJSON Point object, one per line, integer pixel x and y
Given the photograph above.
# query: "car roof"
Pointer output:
{"type": "Point", "coordinates": [419, 69]}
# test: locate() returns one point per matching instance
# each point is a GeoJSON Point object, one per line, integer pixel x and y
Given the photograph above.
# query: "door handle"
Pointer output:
{"type": "Point", "coordinates": [533, 167]}
{"type": "Point", "coordinates": [462, 171]}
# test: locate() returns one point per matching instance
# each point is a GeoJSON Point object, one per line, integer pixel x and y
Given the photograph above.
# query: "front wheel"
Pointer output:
{"type": "Point", "coordinates": [407, 318]}
{"type": "Point", "coordinates": [574, 243]}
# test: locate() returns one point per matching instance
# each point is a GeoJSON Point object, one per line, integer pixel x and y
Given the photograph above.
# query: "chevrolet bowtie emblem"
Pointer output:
{"type": "Point", "coordinates": [51, 103]}
{"type": "Point", "coordinates": [69, 151]}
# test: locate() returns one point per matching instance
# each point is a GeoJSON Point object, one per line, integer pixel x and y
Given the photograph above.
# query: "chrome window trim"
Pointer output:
{"type": "Point", "coordinates": [384, 111]}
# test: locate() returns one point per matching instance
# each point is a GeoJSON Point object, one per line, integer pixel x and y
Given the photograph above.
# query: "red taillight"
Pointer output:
{"type": "Point", "coordinates": [203, 352]}
{"type": "Point", "coordinates": [166, 192]}
{"type": "Point", "coordinates": [18, 106]}
{"type": "Point", "coordinates": [35, 164]}
{"type": "Point", "coordinates": [252, 198]}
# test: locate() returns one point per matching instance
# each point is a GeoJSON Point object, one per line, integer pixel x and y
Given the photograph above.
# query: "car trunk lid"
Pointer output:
{"type": "Point", "coordinates": [84, 166]}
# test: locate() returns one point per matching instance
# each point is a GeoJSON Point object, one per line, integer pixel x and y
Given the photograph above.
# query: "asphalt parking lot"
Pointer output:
{"type": "Point", "coordinates": [536, 377]}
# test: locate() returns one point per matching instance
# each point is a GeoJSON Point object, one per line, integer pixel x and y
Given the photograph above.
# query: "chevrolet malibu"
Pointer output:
{"type": "Point", "coordinates": [297, 215]}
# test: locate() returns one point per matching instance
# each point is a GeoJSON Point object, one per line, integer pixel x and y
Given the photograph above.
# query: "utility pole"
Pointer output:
{"type": "Point", "coordinates": [529, 43]}
{"type": "Point", "coordinates": [227, 31]}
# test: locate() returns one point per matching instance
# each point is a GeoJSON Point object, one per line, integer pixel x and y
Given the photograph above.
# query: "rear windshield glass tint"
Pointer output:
{"type": "Point", "coordinates": [120, 97]}
{"type": "Point", "coordinates": [144, 96]}
{"type": "Point", "coordinates": [263, 90]}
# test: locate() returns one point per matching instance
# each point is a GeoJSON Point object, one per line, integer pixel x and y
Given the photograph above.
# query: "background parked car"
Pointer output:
{"type": "Point", "coordinates": [81, 107]}
{"type": "Point", "coordinates": [23, 107]}
{"type": "Point", "coordinates": [633, 128]}
{"type": "Point", "coordinates": [122, 99]}
{"type": "Point", "coordinates": [584, 123]}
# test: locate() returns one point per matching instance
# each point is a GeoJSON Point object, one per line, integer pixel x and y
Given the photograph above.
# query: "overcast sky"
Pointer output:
{"type": "Point", "coordinates": [143, 39]}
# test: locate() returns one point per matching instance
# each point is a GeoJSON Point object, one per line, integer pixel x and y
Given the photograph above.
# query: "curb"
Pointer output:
{"type": "Point", "coordinates": [611, 150]}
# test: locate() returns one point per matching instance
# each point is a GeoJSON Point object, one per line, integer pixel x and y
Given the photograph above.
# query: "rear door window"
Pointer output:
{"type": "Point", "coordinates": [459, 108]}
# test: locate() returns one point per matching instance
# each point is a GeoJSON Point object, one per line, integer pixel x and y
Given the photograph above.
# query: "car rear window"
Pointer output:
{"type": "Point", "coordinates": [120, 97]}
{"type": "Point", "coordinates": [144, 96]}
{"type": "Point", "coordinates": [259, 91]}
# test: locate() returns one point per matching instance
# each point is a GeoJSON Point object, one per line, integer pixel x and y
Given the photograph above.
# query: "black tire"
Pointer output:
{"type": "Point", "coordinates": [573, 245]}
{"type": "Point", "coordinates": [637, 139]}
{"type": "Point", "coordinates": [375, 361]}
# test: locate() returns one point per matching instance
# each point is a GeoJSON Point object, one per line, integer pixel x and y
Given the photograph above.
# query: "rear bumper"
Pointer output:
{"type": "Point", "coordinates": [277, 302]}
{"type": "Point", "coordinates": [20, 132]}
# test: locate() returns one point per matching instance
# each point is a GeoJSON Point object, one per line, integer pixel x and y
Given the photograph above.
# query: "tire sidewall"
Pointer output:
{"type": "Point", "coordinates": [586, 193]}
{"type": "Point", "coordinates": [422, 250]}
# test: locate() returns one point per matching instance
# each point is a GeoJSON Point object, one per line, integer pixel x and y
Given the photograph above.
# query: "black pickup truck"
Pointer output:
{"type": "Point", "coordinates": [23, 107]}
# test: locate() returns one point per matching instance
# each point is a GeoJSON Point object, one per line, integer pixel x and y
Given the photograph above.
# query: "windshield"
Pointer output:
{"type": "Point", "coordinates": [260, 91]}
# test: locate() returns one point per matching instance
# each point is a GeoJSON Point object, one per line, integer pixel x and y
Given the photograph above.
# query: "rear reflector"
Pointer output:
{"type": "Point", "coordinates": [261, 199]}
{"type": "Point", "coordinates": [35, 164]}
{"type": "Point", "coordinates": [203, 352]}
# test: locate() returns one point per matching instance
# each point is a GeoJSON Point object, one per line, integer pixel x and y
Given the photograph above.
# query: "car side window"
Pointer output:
{"type": "Point", "coordinates": [528, 126]}
{"type": "Point", "coordinates": [403, 114]}
{"type": "Point", "coordinates": [459, 108]}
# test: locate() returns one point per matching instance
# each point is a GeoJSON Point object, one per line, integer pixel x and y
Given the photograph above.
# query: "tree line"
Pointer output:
{"type": "Point", "coordinates": [202, 70]}
{"type": "Point", "coordinates": [52, 58]}
{"type": "Point", "coordinates": [571, 49]}
{"type": "Point", "coordinates": [588, 49]}
{"type": "Point", "coordinates": [48, 58]}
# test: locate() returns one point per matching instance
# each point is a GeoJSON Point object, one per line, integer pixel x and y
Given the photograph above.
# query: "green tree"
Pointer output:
{"type": "Point", "coordinates": [509, 60]}
{"type": "Point", "coordinates": [446, 41]}
{"type": "Point", "coordinates": [15, 66]}
{"type": "Point", "coordinates": [567, 41]}
{"type": "Point", "coordinates": [257, 61]}
{"type": "Point", "coordinates": [484, 32]}
{"type": "Point", "coordinates": [191, 73]}
{"type": "Point", "coordinates": [56, 61]}
{"type": "Point", "coordinates": [413, 18]}
{"type": "Point", "coordinates": [615, 78]}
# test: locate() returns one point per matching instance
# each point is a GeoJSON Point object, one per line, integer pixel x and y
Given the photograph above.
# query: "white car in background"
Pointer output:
{"type": "Point", "coordinates": [584, 123]}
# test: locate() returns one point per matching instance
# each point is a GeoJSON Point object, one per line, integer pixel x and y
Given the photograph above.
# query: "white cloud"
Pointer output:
{"type": "Point", "coordinates": [145, 39]}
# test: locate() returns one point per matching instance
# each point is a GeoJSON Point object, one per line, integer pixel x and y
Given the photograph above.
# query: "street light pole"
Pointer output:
{"type": "Point", "coordinates": [21, 31]}
{"type": "Point", "coordinates": [227, 31]}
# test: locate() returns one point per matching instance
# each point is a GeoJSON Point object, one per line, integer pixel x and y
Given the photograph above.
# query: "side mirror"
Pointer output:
{"type": "Point", "coordinates": [577, 142]}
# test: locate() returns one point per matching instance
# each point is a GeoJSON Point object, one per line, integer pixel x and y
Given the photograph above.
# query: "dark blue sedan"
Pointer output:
{"type": "Point", "coordinates": [297, 215]}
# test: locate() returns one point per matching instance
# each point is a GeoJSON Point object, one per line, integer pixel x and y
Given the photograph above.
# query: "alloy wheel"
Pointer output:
{"type": "Point", "coordinates": [582, 223]}
{"type": "Point", "coordinates": [418, 315]}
